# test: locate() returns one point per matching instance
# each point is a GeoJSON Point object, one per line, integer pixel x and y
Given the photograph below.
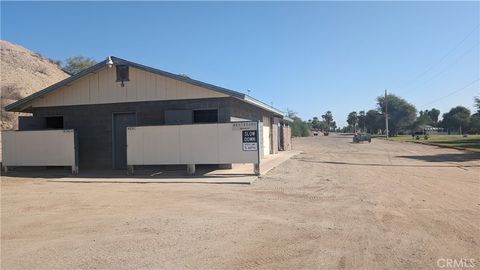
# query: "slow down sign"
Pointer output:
{"type": "Point", "coordinates": [249, 140]}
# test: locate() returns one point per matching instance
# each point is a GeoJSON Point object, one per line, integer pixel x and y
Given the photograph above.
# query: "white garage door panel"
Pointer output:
{"type": "Point", "coordinates": [189, 144]}
{"type": "Point", "coordinates": [266, 136]}
{"type": "Point", "coordinates": [167, 150]}
{"type": "Point", "coordinates": [199, 143]}
{"type": "Point", "coordinates": [266, 141]}
{"type": "Point", "coordinates": [38, 148]}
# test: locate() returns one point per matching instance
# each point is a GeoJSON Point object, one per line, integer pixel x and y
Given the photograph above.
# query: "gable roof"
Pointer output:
{"type": "Point", "coordinates": [20, 104]}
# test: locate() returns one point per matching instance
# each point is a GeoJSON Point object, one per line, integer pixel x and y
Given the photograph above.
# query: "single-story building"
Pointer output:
{"type": "Point", "coordinates": [101, 101]}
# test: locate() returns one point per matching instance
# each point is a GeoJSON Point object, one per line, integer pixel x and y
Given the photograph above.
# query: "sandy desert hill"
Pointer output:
{"type": "Point", "coordinates": [22, 73]}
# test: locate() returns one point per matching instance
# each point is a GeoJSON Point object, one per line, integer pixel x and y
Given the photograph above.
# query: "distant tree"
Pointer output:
{"type": "Point", "coordinates": [291, 114]}
{"type": "Point", "coordinates": [475, 118]}
{"type": "Point", "coordinates": [433, 114]}
{"type": "Point", "coordinates": [299, 128]}
{"type": "Point", "coordinates": [374, 121]}
{"type": "Point", "coordinates": [476, 101]}
{"type": "Point", "coordinates": [76, 64]}
{"type": "Point", "coordinates": [475, 123]}
{"type": "Point", "coordinates": [401, 114]}
{"type": "Point", "coordinates": [424, 119]}
{"type": "Point", "coordinates": [315, 124]}
{"type": "Point", "coordinates": [361, 120]}
{"type": "Point", "coordinates": [352, 120]}
{"type": "Point", "coordinates": [324, 126]}
{"type": "Point", "coordinates": [456, 119]}
{"type": "Point", "coordinates": [328, 118]}
{"type": "Point", "coordinates": [333, 125]}
{"type": "Point", "coordinates": [344, 129]}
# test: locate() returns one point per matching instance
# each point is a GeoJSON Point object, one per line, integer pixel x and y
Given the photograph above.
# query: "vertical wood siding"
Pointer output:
{"type": "Point", "coordinates": [101, 87]}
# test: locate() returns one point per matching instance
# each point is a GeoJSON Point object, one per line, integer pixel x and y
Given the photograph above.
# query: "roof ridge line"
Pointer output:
{"type": "Point", "coordinates": [118, 60]}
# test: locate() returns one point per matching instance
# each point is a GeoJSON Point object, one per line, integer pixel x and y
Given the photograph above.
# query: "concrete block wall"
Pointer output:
{"type": "Point", "coordinates": [244, 110]}
{"type": "Point", "coordinates": [94, 123]}
{"type": "Point", "coordinates": [275, 140]}
{"type": "Point", "coordinates": [287, 138]}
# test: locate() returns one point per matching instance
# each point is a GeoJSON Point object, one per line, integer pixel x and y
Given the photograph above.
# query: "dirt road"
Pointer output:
{"type": "Point", "coordinates": [338, 205]}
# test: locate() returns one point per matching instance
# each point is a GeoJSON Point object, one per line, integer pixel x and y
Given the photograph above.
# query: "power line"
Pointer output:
{"type": "Point", "coordinates": [445, 69]}
{"type": "Point", "coordinates": [452, 93]}
{"type": "Point", "coordinates": [444, 57]}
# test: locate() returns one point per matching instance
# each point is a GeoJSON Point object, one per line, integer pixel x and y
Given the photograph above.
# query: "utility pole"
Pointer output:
{"type": "Point", "coordinates": [386, 114]}
{"type": "Point", "coordinates": [364, 120]}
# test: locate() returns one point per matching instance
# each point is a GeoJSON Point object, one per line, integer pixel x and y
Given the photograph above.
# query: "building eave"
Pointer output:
{"type": "Point", "coordinates": [19, 105]}
{"type": "Point", "coordinates": [22, 105]}
{"type": "Point", "coordinates": [262, 105]}
{"type": "Point", "coordinates": [288, 119]}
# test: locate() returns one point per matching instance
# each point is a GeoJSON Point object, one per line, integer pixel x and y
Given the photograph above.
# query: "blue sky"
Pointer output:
{"type": "Point", "coordinates": [306, 56]}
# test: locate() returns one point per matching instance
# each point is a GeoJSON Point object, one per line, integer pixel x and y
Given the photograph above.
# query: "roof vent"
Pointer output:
{"type": "Point", "coordinates": [122, 74]}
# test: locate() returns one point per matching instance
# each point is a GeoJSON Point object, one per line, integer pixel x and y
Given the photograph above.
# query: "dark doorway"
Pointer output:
{"type": "Point", "coordinates": [54, 122]}
{"type": "Point", "coordinates": [120, 123]}
{"type": "Point", "coordinates": [205, 116]}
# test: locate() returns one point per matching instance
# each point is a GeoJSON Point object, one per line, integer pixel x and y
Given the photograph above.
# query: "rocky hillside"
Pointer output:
{"type": "Point", "coordinates": [22, 73]}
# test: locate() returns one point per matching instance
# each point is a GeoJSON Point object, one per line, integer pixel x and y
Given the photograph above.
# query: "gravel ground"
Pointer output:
{"type": "Point", "coordinates": [338, 205]}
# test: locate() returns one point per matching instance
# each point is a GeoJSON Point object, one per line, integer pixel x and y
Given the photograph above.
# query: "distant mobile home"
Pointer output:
{"type": "Point", "coordinates": [100, 102]}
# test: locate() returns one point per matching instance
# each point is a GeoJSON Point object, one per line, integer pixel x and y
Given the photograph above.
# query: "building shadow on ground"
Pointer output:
{"type": "Point", "coordinates": [459, 157]}
{"type": "Point", "coordinates": [388, 165]}
{"type": "Point", "coordinates": [157, 172]}
{"type": "Point", "coordinates": [462, 143]}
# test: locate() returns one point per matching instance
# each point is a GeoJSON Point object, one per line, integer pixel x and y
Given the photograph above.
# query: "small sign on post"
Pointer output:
{"type": "Point", "coordinates": [249, 140]}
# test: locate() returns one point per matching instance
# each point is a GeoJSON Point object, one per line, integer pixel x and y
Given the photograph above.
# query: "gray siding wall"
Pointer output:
{"type": "Point", "coordinates": [244, 110]}
{"type": "Point", "coordinates": [31, 123]}
{"type": "Point", "coordinates": [93, 123]}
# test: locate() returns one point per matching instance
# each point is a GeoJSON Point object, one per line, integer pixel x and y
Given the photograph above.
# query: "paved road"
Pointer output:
{"type": "Point", "coordinates": [338, 205]}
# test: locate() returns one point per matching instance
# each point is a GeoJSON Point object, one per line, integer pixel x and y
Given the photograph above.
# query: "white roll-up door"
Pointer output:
{"type": "Point", "coordinates": [266, 136]}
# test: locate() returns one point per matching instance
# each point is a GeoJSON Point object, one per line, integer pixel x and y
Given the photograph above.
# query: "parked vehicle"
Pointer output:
{"type": "Point", "coordinates": [417, 135]}
{"type": "Point", "coordinates": [362, 137]}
